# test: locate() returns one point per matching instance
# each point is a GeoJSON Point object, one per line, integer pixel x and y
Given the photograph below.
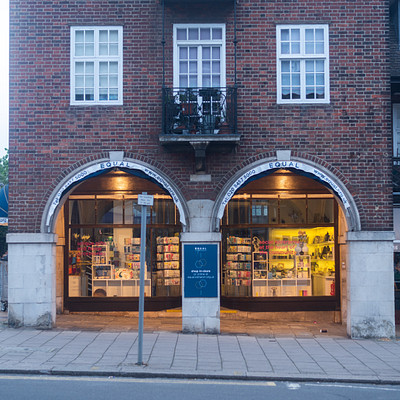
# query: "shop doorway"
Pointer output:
{"type": "Point", "coordinates": [102, 246]}
{"type": "Point", "coordinates": [280, 246]}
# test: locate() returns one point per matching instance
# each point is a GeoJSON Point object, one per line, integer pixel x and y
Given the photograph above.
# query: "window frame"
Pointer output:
{"type": "Point", "coordinates": [96, 59]}
{"type": "Point", "coordinates": [199, 43]}
{"type": "Point", "coordinates": [302, 57]}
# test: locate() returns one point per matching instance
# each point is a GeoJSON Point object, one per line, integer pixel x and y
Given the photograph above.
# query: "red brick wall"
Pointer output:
{"type": "Point", "coordinates": [48, 137]}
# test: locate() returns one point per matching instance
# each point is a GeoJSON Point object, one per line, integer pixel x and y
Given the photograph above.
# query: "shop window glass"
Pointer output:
{"type": "Point", "coordinates": [163, 211]}
{"type": "Point", "coordinates": [82, 212]}
{"type": "Point", "coordinates": [320, 211]}
{"type": "Point", "coordinates": [292, 211]}
{"type": "Point", "coordinates": [133, 213]}
{"type": "Point", "coordinates": [236, 271]}
{"type": "Point", "coordinates": [278, 262]}
{"type": "Point", "coordinates": [264, 211]}
{"type": "Point", "coordinates": [109, 211]}
{"type": "Point", "coordinates": [239, 211]}
{"type": "Point", "coordinates": [104, 260]}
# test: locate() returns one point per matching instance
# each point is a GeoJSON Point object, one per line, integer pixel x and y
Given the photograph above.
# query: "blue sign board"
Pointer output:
{"type": "Point", "coordinates": [200, 266]}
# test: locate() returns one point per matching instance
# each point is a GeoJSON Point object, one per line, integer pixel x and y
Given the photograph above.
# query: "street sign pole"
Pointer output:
{"type": "Point", "coordinates": [144, 200]}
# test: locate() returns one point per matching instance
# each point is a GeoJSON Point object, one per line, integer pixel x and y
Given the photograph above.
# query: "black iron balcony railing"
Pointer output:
{"type": "Point", "coordinates": [206, 111]}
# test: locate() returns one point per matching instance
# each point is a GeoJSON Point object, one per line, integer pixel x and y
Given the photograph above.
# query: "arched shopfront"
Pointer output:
{"type": "Point", "coordinates": [280, 237]}
{"type": "Point", "coordinates": [101, 225]}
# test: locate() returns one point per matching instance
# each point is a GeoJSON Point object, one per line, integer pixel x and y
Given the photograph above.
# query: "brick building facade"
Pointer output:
{"type": "Point", "coordinates": [328, 130]}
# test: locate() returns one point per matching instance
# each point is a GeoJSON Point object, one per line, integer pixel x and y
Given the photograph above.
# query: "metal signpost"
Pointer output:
{"type": "Point", "coordinates": [144, 200]}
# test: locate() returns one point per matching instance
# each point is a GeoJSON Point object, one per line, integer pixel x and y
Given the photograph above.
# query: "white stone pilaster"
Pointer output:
{"type": "Point", "coordinates": [370, 285]}
{"type": "Point", "coordinates": [32, 279]}
{"type": "Point", "coordinates": [201, 315]}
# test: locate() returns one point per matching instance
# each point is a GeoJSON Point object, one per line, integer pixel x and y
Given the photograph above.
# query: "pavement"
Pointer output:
{"type": "Point", "coordinates": [246, 349]}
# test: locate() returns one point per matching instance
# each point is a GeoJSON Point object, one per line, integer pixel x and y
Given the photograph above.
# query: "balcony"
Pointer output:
{"type": "Point", "coordinates": [203, 119]}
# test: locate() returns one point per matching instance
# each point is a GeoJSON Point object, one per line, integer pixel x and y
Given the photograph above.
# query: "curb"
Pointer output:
{"type": "Point", "coordinates": [194, 376]}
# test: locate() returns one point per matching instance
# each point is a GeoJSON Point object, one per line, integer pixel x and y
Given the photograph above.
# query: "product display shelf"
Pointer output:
{"type": "Point", "coordinates": [110, 278]}
{"type": "Point", "coordinates": [237, 268]}
{"type": "Point", "coordinates": [168, 266]}
{"type": "Point", "coordinates": [288, 275]}
{"type": "Point", "coordinates": [260, 273]}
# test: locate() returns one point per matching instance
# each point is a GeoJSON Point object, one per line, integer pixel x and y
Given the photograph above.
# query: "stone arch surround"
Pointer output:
{"type": "Point", "coordinates": [315, 168]}
{"type": "Point", "coordinates": [89, 167]}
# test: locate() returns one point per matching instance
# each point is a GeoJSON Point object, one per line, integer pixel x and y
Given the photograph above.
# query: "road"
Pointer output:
{"type": "Point", "coordinates": [16, 387]}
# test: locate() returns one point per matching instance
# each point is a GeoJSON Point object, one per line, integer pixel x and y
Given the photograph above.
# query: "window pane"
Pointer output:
{"type": "Point", "coordinates": [79, 50]}
{"type": "Point", "coordinates": [239, 211]}
{"type": "Point", "coordinates": [89, 36]}
{"type": "Point", "coordinates": [193, 67]}
{"type": "Point", "coordinates": [89, 96]}
{"type": "Point", "coordinates": [320, 92]}
{"type": "Point", "coordinates": [285, 66]}
{"type": "Point", "coordinates": [183, 53]}
{"type": "Point", "coordinates": [309, 48]}
{"type": "Point", "coordinates": [285, 79]}
{"type": "Point", "coordinates": [310, 93]}
{"type": "Point", "coordinates": [217, 33]}
{"type": "Point", "coordinates": [319, 34]}
{"type": "Point", "coordinates": [310, 35]}
{"type": "Point", "coordinates": [103, 94]}
{"type": "Point", "coordinates": [113, 79]}
{"type": "Point", "coordinates": [113, 94]}
{"type": "Point", "coordinates": [183, 67]}
{"type": "Point", "coordinates": [103, 36]}
{"type": "Point", "coordinates": [295, 33]}
{"type": "Point", "coordinates": [103, 67]}
{"type": "Point", "coordinates": [206, 67]}
{"type": "Point", "coordinates": [183, 81]}
{"type": "Point", "coordinates": [295, 48]}
{"type": "Point", "coordinates": [309, 66]}
{"type": "Point", "coordinates": [205, 34]}
{"type": "Point", "coordinates": [181, 34]}
{"type": "Point", "coordinates": [114, 36]}
{"type": "Point", "coordinates": [193, 53]}
{"type": "Point", "coordinates": [295, 66]}
{"type": "Point", "coordinates": [113, 49]}
{"type": "Point", "coordinates": [285, 49]}
{"type": "Point", "coordinates": [293, 211]}
{"type": "Point", "coordinates": [192, 81]}
{"type": "Point", "coordinates": [264, 211]}
{"type": "Point", "coordinates": [82, 212]}
{"type": "Point", "coordinates": [285, 93]}
{"type": "Point", "coordinates": [216, 82]}
{"type": "Point", "coordinates": [103, 49]}
{"type": "Point", "coordinates": [109, 211]}
{"type": "Point", "coordinates": [89, 67]}
{"type": "Point", "coordinates": [79, 95]}
{"type": "Point", "coordinates": [319, 66]}
{"type": "Point", "coordinates": [103, 81]}
{"type": "Point", "coordinates": [89, 49]}
{"type": "Point", "coordinates": [285, 35]}
{"type": "Point", "coordinates": [309, 79]}
{"type": "Point", "coordinates": [113, 66]}
{"type": "Point", "coordinates": [79, 36]}
{"type": "Point", "coordinates": [206, 81]}
{"type": "Point", "coordinates": [320, 211]}
{"type": "Point", "coordinates": [216, 67]}
{"type": "Point", "coordinates": [193, 34]}
{"type": "Point", "coordinates": [89, 82]}
{"type": "Point", "coordinates": [216, 53]}
{"type": "Point", "coordinates": [206, 53]}
{"type": "Point", "coordinates": [296, 93]}
{"type": "Point", "coordinates": [296, 79]}
{"type": "Point", "coordinates": [79, 81]}
{"type": "Point", "coordinates": [319, 48]}
{"type": "Point", "coordinates": [319, 79]}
